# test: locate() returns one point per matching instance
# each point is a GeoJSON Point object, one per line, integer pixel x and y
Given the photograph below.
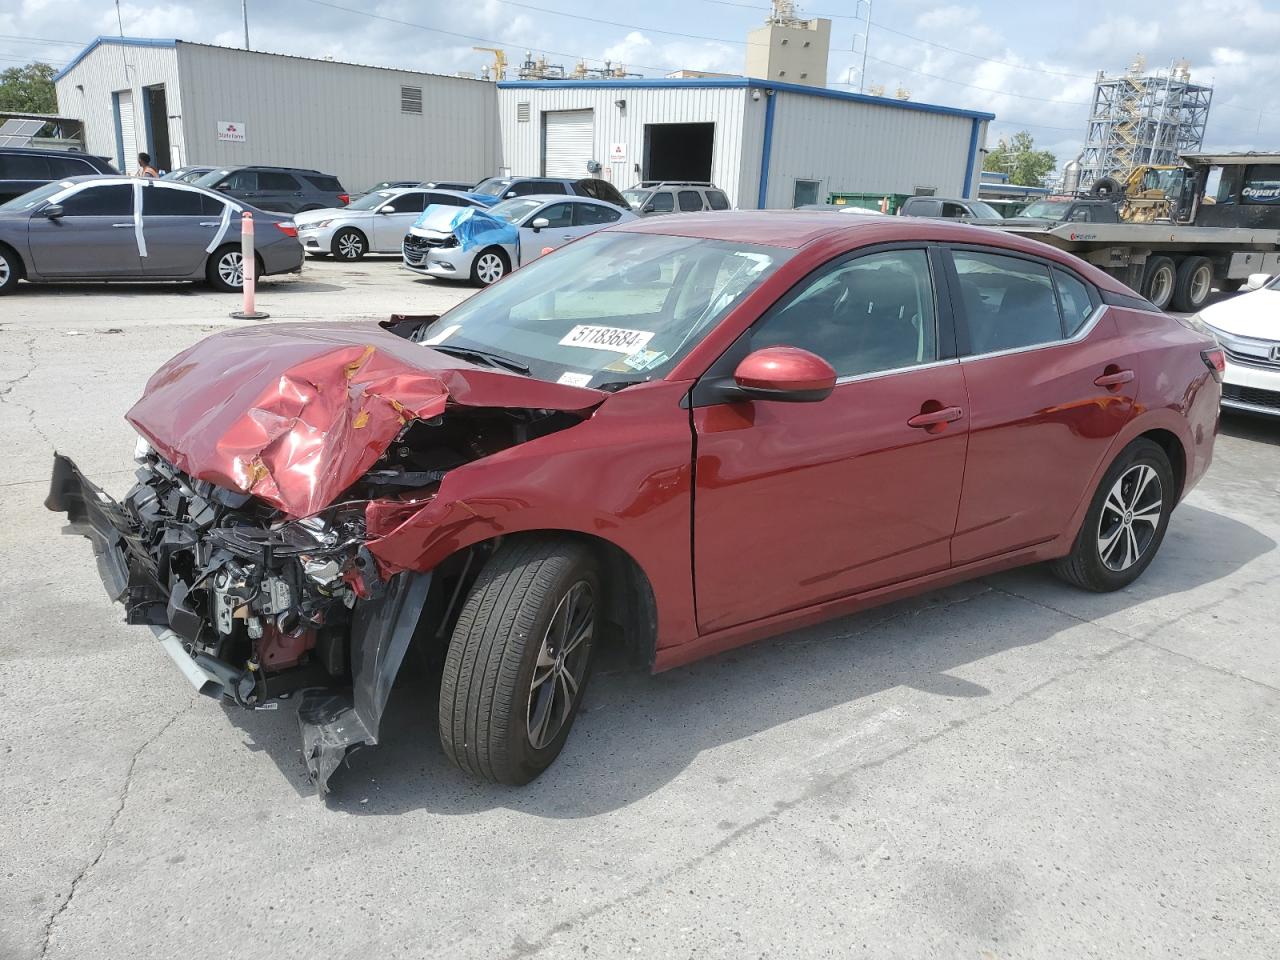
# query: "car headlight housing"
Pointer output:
{"type": "Point", "coordinates": [323, 223]}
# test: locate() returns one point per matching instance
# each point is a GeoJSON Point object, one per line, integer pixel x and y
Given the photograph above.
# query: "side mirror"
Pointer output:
{"type": "Point", "coordinates": [53, 211]}
{"type": "Point", "coordinates": [387, 210]}
{"type": "Point", "coordinates": [1257, 281]}
{"type": "Point", "coordinates": [788, 374]}
{"type": "Point", "coordinates": [649, 208]}
{"type": "Point", "coordinates": [540, 223]}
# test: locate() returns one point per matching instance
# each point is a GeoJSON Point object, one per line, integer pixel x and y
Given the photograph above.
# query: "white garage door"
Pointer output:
{"type": "Point", "coordinates": [567, 137]}
{"type": "Point", "coordinates": [128, 144]}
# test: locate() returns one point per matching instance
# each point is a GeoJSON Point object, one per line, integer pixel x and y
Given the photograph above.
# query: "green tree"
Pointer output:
{"type": "Point", "coordinates": [28, 89]}
{"type": "Point", "coordinates": [1019, 158]}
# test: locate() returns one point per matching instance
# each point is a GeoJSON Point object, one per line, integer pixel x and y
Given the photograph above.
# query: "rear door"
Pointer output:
{"type": "Point", "coordinates": [179, 225]}
{"type": "Point", "coordinates": [389, 228]}
{"type": "Point", "coordinates": [97, 235]}
{"type": "Point", "coordinates": [278, 191]}
{"type": "Point", "coordinates": [1035, 340]}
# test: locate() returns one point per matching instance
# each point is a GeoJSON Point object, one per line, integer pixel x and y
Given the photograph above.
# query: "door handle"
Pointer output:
{"type": "Point", "coordinates": [122, 226]}
{"type": "Point", "coordinates": [210, 223]}
{"type": "Point", "coordinates": [935, 418]}
{"type": "Point", "coordinates": [1114, 377]}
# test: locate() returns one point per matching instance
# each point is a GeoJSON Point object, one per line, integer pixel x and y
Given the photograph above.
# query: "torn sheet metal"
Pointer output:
{"type": "Point", "coordinates": [473, 227]}
{"type": "Point", "coordinates": [296, 413]}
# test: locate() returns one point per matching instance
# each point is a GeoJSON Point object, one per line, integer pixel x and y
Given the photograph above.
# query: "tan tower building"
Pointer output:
{"type": "Point", "coordinates": [788, 48]}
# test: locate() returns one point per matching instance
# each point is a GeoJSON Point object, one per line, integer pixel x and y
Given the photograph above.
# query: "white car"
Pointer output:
{"type": "Point", "coordinates": [375, 223]}
{"type": "Point", "coordinates": [483, 245]}
{"type": "Point", "coordinates": [1247, 328]}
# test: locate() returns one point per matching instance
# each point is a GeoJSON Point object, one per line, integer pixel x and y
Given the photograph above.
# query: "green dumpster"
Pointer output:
{"type": "Point", "coordinates": [869, 201]}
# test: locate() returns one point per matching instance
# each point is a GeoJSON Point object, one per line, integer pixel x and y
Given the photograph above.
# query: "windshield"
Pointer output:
{"type": "Point", "coordinates": [371, 201]}
{"type": "Point", "coordinates": [493, 187]}
{"type": "Point", "coordinates": [37, 196]}
{"type": "Point", "coordinates": [985, 211]}
{"type": "Point", "coordinates": [635, 198]}
{"type": "Point", "coordinates": [611, 309]}
{"type": "Point", "coordinates": [210, 178]}
{"type": "Point", "coordinates": [515, 209]}
{"type": "Point", "coordinates": [1046, 210]}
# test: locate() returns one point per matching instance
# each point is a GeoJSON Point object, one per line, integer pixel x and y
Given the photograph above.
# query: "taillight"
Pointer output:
{"type": "Point", "coordinates": [1216, 361]}
{"type": "Point", "coordinates": [288, 228]}
{"type": "Point", "coordinates": [344, 198]}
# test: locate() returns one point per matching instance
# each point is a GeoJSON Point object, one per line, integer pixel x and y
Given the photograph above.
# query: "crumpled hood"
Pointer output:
{"type": "Point", "coordinates": [472, 226]}
{"type": "Point", "coordinates": [296, 413]}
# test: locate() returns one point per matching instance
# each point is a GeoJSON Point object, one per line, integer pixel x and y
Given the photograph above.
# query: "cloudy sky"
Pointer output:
{"type": "Point", "coordinates": [1033, 69]}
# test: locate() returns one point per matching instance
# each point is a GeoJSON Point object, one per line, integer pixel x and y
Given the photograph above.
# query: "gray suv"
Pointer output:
{"type": "Point", "coordinates": [652, 197]}
{"type": "Point", "coordinates": [23, 168]}
{"type": "Point", "coordinates": [948, 208]}
{"type": "Point", "coordinates": [284, 189]}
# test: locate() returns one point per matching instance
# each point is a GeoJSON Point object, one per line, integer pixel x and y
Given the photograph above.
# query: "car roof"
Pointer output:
{"type": "Point", "coordinates": [794, 229]}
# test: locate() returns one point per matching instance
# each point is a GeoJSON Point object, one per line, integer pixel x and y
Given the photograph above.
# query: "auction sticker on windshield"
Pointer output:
{"type": "Point", "coordinates": [617, 339]}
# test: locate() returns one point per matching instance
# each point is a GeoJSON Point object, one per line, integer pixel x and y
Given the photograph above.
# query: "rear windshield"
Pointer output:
{"type": "Point", "coordinates": [493, 187]}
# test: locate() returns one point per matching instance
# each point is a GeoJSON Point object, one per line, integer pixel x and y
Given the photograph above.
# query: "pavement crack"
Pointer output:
{"type": "Point", "coordinates": [6, 391]}
{"type": "Point", "coordinates": [104, 839]}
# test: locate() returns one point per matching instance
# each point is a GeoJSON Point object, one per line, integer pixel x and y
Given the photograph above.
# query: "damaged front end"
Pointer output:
{"type": "Point", "coordinates": [275, 587]}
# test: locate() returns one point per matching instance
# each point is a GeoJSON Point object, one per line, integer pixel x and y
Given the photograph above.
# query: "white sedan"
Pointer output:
{"type": "Point", "coordinates": [483, 245]}
{"type": "Point", "coordinates": [1247, 328]}
{"type": "Point", "coordinates": [375, 223]}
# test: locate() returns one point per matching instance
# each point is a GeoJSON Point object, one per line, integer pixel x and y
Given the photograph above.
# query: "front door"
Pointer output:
{"type": "Point", "coordinates": [96, 236]}
{"type": "Point", "coordinates": [559, 231]}
{"type": "Point", "coordinates": [179, 225]}
{"type": "Point", "coordinates": [800, 503]}
{"type": "Point", "coordinates": [279, 191]}
{"type": "Point", "coordinates": [389, 228]}
{"type": "Point", "coordinates": [1048, 392]}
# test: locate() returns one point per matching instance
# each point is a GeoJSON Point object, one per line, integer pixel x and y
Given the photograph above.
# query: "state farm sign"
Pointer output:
{"type": "Point", "coordinates": [232, 130]}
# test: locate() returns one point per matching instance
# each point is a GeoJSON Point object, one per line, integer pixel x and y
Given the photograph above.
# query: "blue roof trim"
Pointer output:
{"type": "Point", "coordinates": [745, 83]}
{"type": "Point", "coordinates": [119, 42]}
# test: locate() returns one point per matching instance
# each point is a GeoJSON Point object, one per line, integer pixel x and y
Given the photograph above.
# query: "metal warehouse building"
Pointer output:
{"type": "Point", "coordinates": [190, 103]}
{"type": "Point", "coordinates": [766, 144]}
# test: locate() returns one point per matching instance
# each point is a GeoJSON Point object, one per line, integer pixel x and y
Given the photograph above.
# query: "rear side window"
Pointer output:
{"type": "Point", "coordinates": [110, 200]}
{"type": "Point", "coordinates": [1074, 299]}
{"type": "Point", "coordinates": [690, 200]}
{"type": "Point", "coordinates": [924, 208]}
{"type": "Point", "coordinates": [1008, 302]}
{"type": "Point", "coordinates": [537, 186]}
{"type": "Point", "coordinates": [662, 202]}
{"type": "Point", "coordinates": [271, 180]}
{"type": "Point", "coordinates": [70, 167]}
{"type": "Point", "coordinates": [717, 200]}
{"type": "Point", "coordinates": [239, 180]}
{"type": "Point", "coordinates": [327, 184]}
{"type": "Point", "coordinates": [446, 200]}
{"type": "Point", "coordinates": [24, 166]}
{"type": "Point", "coordinates": [590, 214]}
{"type": "Point", "coordinates": [160, 201]}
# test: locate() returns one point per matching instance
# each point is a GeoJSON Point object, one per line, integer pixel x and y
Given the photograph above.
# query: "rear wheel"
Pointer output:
{"type": "Point", "coordinates": [10, 270]}
{"type": "Point", "coordinates": [225, 269]}
{"type": "Point", "coordinates": [1193, 284]}
{"type": "Point", "coordinates": [519, 659]}
{"type": "Point", "coordinates": [349, 244]}
{"type": "Point", "coordinates": [1126, 521]}
{"type": "Point", "coordinates": [1159, 280]}
{"type": "Point", "coordinates": [489, 267]}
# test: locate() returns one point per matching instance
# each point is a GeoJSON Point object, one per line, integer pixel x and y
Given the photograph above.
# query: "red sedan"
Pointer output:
{"type": "Point", "coordinates": [681, 435]}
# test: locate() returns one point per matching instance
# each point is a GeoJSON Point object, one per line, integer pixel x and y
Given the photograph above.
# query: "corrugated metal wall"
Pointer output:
{"type": "Point", "coordinates": [522, 140]}
{"type": "Point", "coordinates": [110, 68]}
{"type": "Point", "coordinates": [335, 117]}
{"type": "Point", "coordinates": [853, 147]}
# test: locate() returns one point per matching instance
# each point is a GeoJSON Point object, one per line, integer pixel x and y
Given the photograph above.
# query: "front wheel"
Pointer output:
{"type": "Point", "coordinates": [489, 267]}
{"type": "Point", "coordinates": [519, 659]}
{"type": "Point", "coordinates": [349, 245]}
{"type": "Point", "coordinates": [1126, 522]}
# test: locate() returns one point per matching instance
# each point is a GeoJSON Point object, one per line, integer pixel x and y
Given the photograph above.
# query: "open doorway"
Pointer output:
{"type": "Point", "coordinates": [157, 107]}
{"type": "Point", "coordinates": [678, 151]}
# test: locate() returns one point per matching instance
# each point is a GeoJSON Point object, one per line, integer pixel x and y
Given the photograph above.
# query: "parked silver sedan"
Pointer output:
{"type": "Point", "coordinates": [375, 223]}
{"type": "Point", "coordinates": [125, 228]}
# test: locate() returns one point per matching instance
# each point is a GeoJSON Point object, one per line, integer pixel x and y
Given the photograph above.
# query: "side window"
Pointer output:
{"type": "Point", "coordinates": [523, 189]}
{"type": "Point", "coordinates": [690, 200]}
{"type": "Point", "coordinates": [442, 200]}
{"type": "Point", "coordinates": [953, 210]}
{"type": "Point", "coordinates": [211, 206]}
{"type": "Point", "coordinates": [110, 200]}
{"type": "Point", "coordinates": [160, 201]}
{"type": "Point", "coordinates": [1079, 215]}
{"type": "Point", "coordinates": [1008, 302]}
{"type": "Point", "coordinates": [549, 186]}
{"type": "Point", "coordinates": [924, 208]}
{"type": "Point", "coordinates": [331, 184]}
{"type": "Point", "coordinates": [240, 180]}
{"type": "Point", "coordinates": [558, 214]}
{"type": "Point", "coordinates": [24, 166]}
{"type": "Point", "coordinates": [662, 202]}
{"type": "Point", "coordinates": [409, 202]}
{"type": "Point", "coordinates": [590, 214]}
{"type": "Point", "coordinates": [717, 200]}
{"type": "Point", "coordinates": [1073, 297]}
{"type": "Point", "coordinates": [864, 315]}
{"type": "Point", "coordinates": [60, 167]}
{"type": "Point", "coordinates": [270, 180]}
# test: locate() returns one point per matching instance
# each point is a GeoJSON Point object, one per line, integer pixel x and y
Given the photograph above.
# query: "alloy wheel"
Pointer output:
{"type": "Point", "coordinates": [561, 665]}
{"type": "Point", "coordinates": [489, 268]}
{"type": "Point", "coordinates": [1201, 283]}
{"type": "Point", "coordinates": [1161, 286]}
{"type": "Point", "coordinates": [5, 270]}
{"type": "Point", "coordinates": [231, 268]}
{"type": "Point", "coordinates": [350, 246]}
{"type": "Point", "coordinates": [1130, 517]}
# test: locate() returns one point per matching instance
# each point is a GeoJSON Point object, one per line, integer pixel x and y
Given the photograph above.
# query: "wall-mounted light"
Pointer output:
{"type": "Point", "coordinates": [620, 104]}
{"type": "Point", "coordinates": [755, 95]}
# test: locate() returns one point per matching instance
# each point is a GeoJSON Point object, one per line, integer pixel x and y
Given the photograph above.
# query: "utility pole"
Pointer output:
{"type": "Point", "coordinates": [244, 12]}
{"type": "Point", "coordinates": [866, 41]}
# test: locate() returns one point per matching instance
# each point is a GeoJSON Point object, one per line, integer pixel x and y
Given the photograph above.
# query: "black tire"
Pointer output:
{"type": "Point", "coordinates": [1090, 566]}
{"type": "Point", "coordinates": [217, 273]}
{"type": "Point", "coordinates": [349, 244]}
{"type": "Point", "coordinates": [482, 277]}
{"type": "Point", "coordinates": [1158, 281]}
{"type": "Point", "coordinates": [1193, 285]}
{"type": "Point", "coordinates": [1230, 284]}
{"type": "Point", "coordinates": [1105, 188]}
{"type": "Point", "coordinates": [10, 270]}
{"type": "Point", "coordinates": [489, 707]}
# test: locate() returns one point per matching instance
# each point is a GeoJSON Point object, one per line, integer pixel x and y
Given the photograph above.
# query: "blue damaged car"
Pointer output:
{"type": "Point", "coordinates": [483, 246]}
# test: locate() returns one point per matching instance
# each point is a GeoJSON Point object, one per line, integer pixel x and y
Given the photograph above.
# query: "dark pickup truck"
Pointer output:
{"type": "Point", "coordinates": [1051, 212]}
